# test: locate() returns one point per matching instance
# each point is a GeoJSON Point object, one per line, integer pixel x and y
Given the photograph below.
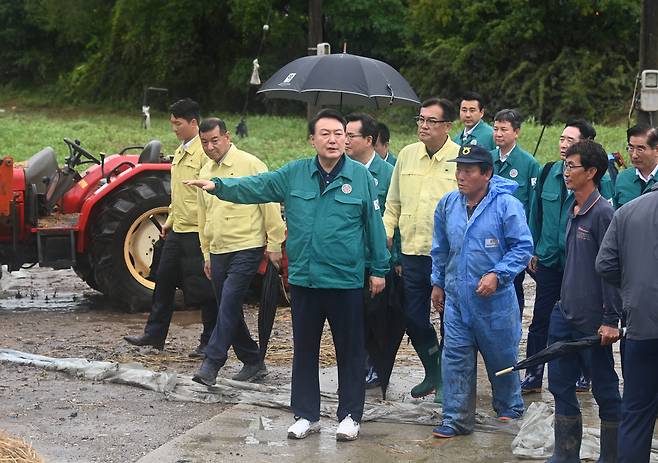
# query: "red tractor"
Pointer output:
{"type": "Point", "coordinates": [100, 222]}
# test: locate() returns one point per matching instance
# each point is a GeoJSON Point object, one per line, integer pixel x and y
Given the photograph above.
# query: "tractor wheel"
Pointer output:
{"type": "Point", "coordinates": [122, 239]}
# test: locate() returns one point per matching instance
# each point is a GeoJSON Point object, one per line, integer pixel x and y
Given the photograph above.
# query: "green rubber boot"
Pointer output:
{"type": "Point", "coordinates": [430, 356]}
{"type": "Point", "coordinates": [438, 382]}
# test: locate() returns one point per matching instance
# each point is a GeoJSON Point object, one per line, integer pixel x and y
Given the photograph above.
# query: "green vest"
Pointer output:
{"type": "Point", "coordinates": [629, 186]}
{"type": "Point", "coordinates": [328, 232]}
{"type": "Point", "coordinates": [481, 135]}
{"type": "Point", "coordinates": [522, 168]}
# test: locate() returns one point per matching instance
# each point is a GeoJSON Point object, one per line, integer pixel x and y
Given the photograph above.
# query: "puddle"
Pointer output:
{"type": "Point", "coordinates": [48, 290]}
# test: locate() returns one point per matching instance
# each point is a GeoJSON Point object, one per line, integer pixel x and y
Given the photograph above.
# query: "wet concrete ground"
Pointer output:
{"type": "Point", "coordinates": [54, 313]}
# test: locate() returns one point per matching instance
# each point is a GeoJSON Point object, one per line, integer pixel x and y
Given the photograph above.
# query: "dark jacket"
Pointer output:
{"type": "Point", "coordinates": [585, 299]}
{"type": "Point", "coordinates": [628, 258]}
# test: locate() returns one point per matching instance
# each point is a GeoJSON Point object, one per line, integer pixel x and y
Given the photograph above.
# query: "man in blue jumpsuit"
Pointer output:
{"type": "Point", "coordinates": [481, 242]}
{"type": "Point", "coordinates": [334, 226]}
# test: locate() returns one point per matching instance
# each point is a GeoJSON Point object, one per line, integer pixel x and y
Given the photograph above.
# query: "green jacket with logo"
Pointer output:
{"type": "Point", "coordinates": [482, 136]}
{"type": "Point", "coordinates": [549, 225]}
{"type": "Point", "coordinates": [328, 232]}
{"type": "Point", "coordinates": [522, 168]}
{"type": "Point", "coordinates": [382, 171]}
{"type": "Point", "coordinates": [628, 187]}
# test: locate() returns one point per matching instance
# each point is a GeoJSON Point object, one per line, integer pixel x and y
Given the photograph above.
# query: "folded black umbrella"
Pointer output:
{"type": "Point", "coordinates": [269, 300]}
{"type": "Point", "coordinates": [555, 350]}
{"type": "Point", "coordinates": [385, 327]}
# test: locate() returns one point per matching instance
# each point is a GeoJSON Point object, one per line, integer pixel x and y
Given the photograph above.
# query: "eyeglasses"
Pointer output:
{"type": "Point", "coordinates": [570, 166]}
{"type": "Point", "coordinates": [351, 136]}
{"type": "Point", "coordinates": [420, 120]}
{"type": "Point", "coordinates": [638, 149]}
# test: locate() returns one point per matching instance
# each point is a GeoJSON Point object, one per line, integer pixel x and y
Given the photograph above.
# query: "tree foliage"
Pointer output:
{"type": "Point", "coordinates": [551, 59]}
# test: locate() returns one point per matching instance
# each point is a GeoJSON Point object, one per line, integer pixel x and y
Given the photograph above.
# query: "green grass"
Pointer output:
{"type": "Point", "coordinates": [275, 140]}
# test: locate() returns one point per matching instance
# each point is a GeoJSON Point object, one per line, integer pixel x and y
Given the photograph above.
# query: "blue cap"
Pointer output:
{"type": "Point", "coordinates": [473, 154]}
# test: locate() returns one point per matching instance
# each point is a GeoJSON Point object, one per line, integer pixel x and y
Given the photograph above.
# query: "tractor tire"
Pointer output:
{"type": "Point", "coordinates": [122, 238]}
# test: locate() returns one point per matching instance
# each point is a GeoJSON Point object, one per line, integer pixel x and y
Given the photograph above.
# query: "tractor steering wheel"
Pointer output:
{"type": "Point", "coordinates": [76, 152]}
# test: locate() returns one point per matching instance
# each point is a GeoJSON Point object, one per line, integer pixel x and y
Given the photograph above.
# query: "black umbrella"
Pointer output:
{"type": "Point", "coordinates": [340, 79]}
{"type": "Point", "coordinates": [269, 299]}
{"type": "Point", "coordinates": [555, 350]}
{"type": "Point", "coordinates": [385, 327]}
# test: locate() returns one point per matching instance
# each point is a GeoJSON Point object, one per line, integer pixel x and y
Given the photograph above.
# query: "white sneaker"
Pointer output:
{"type": "Point", "coordinates": [302, 428]}
{"type": "Point", "coordinates": [348, 429]}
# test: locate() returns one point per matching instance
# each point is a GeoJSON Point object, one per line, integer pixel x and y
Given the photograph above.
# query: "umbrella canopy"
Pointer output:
{"type": "Point", "coordinates": [555, 350]}
{"type": "Point", "coordinates": [340, 79]}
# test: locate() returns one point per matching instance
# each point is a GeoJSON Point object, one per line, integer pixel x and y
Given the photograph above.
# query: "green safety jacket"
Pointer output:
{"type": "Point", "coordinates": [521, 168]}
{"type": "Point", "coordinates": [329, 232]}
{"type": "Point", "coordinates": [482, 135]}
{"type": "Point", "coordinates": [549, 213]}
{"type": "Point", "coordinates": [382, 171]}
{"type": "Point", "coordinates": [629, 186]}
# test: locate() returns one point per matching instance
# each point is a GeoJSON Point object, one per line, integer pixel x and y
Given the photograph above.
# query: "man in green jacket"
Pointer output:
{"type": "Point", "coordinates": [643, 150]}
{"type": "Point", "coordinates": [382, 141]}
{"type": "Point", "coordinates": [334, 227]}
{"type": "Point", "coordinates": [548, 224]}
{"type": "Point", "coordinates": [361, 131]}
{"type": "Point", "coordinates": [476, 131]}
{"type": "Point", "coordinates": [513, 163]}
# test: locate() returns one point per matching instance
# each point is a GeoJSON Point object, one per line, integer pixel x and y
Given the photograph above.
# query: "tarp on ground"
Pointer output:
{"type": "Point", "coordinates": [182, 388]}
{"type": "Point", "coordinates": [535, 439]}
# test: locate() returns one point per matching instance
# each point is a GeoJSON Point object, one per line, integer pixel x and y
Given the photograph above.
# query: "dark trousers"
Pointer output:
{"type": "Point", "coordinates": [518, 288]}
{"type": "Point", "coordinates": [232, 273]}
{"type": "Point", "coordinates": [549, 285]}
{"type": "Point", "coordinates": [640, 403]}
{"type": "Point", "coordinates": [564, 371]}
{"type": "Point", "coordinates": [344, 310]}
{"type": "Point", "coordinates": [178, 248]}
{"type": "Point", "coordinates": [416, 276]}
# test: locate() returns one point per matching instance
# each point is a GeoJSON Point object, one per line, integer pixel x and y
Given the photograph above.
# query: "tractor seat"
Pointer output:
{"type": "Point", "coordinates": [151, 153]}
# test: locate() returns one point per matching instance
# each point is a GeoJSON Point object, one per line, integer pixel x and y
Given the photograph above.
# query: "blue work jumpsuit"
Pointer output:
{"type": "Point", "coordinates": [496, 238]}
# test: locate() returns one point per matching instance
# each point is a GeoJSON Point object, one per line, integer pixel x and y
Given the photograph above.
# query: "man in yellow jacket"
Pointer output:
{"type": "Point", "coordinates": [181, 262]}
{"type": "Point", "coordinates": [233, 238]}
{"type": "Point", "coordinates": [422, 175]}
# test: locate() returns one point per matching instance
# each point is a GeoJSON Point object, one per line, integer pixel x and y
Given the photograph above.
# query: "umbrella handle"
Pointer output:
{"type": "Point", "coordinates": [505, 371]}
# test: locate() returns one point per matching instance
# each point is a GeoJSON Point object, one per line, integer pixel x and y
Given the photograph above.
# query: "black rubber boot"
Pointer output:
{"type": "Point", "coordinates": [568, 435]}
{"type": "Point", "coordinates": [430, 357]}
{"type": "Point", "coordinates": [608, 441]}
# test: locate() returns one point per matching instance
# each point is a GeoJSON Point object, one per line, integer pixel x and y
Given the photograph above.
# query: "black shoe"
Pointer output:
{"type": "Point", "coordinates": [199, 351]}
{"type": "Point", "coordinates": [207, 373]}
{"type": "Point", "coordinates": [145, 340]}
{"type": "Point", "coordinates": [251, 372]}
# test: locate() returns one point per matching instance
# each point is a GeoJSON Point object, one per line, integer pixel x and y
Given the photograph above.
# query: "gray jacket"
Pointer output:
{"type": "Point", "coordinates": [628, 258]}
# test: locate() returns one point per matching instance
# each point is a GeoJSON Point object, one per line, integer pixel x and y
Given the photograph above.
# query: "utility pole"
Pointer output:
{"type": "Point", "coordinates": [648, 48]}
{"type": "Point", "coordinates": [314, 37]}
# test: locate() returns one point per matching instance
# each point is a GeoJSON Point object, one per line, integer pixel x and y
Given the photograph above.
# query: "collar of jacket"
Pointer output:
{"type": "Point", "coordinates": [227, 160]}
{"type": "Point", "coordinates": [346, 172]}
